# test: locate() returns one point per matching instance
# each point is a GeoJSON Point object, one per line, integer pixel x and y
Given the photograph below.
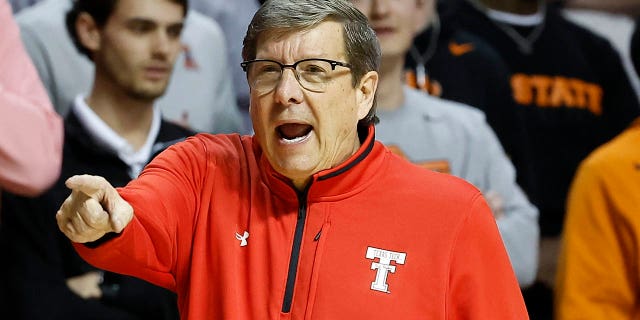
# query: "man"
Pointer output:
{"type": "Point", "coordinates": [30, 130]}
{"type": "Point", "coordinates": [310, 217]}
{"type": "Point", "coordinates": [113, 132]}
{"type": "Point", "coordinates": [201, 70]}
{"type": "Point", "coordinates": [448, 137]}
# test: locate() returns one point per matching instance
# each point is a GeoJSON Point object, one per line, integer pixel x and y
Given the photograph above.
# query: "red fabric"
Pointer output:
{"type": "Point", "coordinates": [193, 199]}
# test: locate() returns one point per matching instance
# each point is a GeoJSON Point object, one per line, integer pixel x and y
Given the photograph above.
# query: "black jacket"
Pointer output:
{"type": "Point", "coordinates": [38, 258]}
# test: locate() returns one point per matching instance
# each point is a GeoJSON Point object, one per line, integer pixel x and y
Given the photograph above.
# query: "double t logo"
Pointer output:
{"type": "Point", "coordinates": [383, 266]}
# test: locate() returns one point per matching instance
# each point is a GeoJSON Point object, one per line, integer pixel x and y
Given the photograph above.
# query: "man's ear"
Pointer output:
{"type": "Point", "coordinates": [88, 32]}
{"type": "Point", "coordinates": [366, 93]}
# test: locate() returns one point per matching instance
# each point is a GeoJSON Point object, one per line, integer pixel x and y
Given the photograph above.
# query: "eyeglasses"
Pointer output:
{"type": "Point", "coordinates": [312, 74]}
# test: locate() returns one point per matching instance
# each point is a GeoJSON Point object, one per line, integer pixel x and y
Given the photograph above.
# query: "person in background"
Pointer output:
{"type": "Point", "coordinates": [446, 136]}
{"type": "Point", "coordinates": [574, 94]}
{"type": "Point", "coordinates": [449, 62]}
{"type": "Point", "coordinates": [597, 268]}
{"type": "Point", "coordinates": [30, 130]}
{"type": "Point", "coordinates": [113, 131]}
{"type": "Point", "coordinates": [307, 211]}
{"type": "Point", "coordinates": [199, 95]}
{"type": "Point", "coordinates": [233, 17]}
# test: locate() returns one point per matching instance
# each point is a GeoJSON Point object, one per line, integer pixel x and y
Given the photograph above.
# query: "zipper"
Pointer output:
{"type": "Point", "coordinates": [295, 250]}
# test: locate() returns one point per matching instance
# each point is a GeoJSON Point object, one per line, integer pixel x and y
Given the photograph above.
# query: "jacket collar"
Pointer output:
{"type": "Point", "coordinates": [347, 179]}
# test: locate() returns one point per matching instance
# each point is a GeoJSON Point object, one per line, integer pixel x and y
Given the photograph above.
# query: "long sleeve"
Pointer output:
{"type": "Point", "coordinates": [518, 223]}
{"type": "Point", "coordinates": [30, 131]}
{"type": "Point", "coordinates": [164, 201]}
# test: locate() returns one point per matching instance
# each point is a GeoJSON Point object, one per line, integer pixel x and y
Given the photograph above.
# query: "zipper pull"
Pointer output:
{"type": "Point", "coordinates": [317, 237]}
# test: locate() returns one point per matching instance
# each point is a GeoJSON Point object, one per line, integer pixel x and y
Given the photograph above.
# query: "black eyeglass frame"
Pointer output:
{"type": "Point", "coordinates": [333, 63]}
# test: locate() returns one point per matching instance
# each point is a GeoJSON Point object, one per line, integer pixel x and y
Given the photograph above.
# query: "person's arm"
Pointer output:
{"type": "Point", "coordinates": [101, 221]}
{"type": "Point", "coordinates": [597, 267]}
{"type": "Point", "coordinates": [31, 133]}
{"type": "Point", "coordinates": [482, 283]}
{"type": "Point", "coordinates": [517, 218]}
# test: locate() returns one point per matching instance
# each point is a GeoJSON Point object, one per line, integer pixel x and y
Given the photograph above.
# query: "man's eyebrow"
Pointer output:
{"type": "Point", "coordinates": [140, 20]}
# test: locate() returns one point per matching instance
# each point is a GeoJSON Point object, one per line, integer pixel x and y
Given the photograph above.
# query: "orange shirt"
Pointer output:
{"type": "Point", "coordinates": [599, 266]}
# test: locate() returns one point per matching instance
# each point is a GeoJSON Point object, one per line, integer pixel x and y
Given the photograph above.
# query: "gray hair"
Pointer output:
{"type": "Point", "coordinates": [280, 17]}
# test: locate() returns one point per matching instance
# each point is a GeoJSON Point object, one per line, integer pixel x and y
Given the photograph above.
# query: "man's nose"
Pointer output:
{"type": "Point", "coordinates": [380, 7]}
{"type": "Point", "coordinates": [288, 90]}
{"type": "Point", "coordinates": [162, 43]}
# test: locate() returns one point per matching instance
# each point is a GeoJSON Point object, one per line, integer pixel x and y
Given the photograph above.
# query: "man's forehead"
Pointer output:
{"type": "Point", "coordinates": [164, 11]}
{"type": "Point", "coordinates": [326, 38]}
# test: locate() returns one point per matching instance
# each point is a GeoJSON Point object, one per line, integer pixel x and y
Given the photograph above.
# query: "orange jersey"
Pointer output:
{"type": "Point", "coordinates": [374, 238]}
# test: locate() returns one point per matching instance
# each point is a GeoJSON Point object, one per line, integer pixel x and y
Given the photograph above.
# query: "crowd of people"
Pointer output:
{"type": "Point", "coordinates": [303, 159]}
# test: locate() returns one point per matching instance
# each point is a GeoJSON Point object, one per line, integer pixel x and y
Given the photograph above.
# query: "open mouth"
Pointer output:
{"type": "Point", "coordinates": [293, 132]}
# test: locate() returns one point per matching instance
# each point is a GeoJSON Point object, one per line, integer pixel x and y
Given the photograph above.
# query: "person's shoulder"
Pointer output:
{"type": "Point", "coordinates": [220, 145]}
{"type": "Point", "coordinates": [559, 23]}
{"type": "Point", "coordinates": [199, 23]}
{"type": "Point", "coordinates": [441, 186]}
{"type": "Point", "coordinates": [44, 13]}
{"type": "Point", "coordinates": [438, 108]}
{"type": "Point", "coordinates": [482, 51]}
{"type": "Point", "coordinates": [616, 152]}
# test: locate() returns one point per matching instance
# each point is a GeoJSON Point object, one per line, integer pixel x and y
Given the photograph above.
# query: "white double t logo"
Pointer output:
{"type": "Point", "coordinates": [384, 266]}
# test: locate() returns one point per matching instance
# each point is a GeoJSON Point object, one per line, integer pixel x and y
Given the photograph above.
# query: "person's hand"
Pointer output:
{"type": "Point", "coordinates": [87, 285]}
{"type": "Point", "coordinates": [93, 209]}
{"type": "Point", "coordinates": [496, 203]}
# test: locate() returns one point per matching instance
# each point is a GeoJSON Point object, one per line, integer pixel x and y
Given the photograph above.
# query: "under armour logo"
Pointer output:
{"type": "Point", "coordinates": [242, 238]}
{"type": "Point", "coordinates": [384, 266]}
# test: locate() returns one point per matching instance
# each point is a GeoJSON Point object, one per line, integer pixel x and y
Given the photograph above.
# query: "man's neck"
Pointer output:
{"type": "Point", "coordinates": [128, 117]}
{"type": "Point", "coordinates": [512, 6]}
{"type": "Point", "coordinates": [390, 93]}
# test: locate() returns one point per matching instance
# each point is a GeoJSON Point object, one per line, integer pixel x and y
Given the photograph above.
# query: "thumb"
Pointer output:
{"type": "Point", "coordinates": [120, 212]}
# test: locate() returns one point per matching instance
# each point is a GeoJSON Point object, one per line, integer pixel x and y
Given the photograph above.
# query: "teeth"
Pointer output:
{"type": "Point", "coordinates": [295, 140]}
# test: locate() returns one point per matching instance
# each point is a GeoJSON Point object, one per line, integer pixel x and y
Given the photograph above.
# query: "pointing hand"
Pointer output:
{"type": "Point", "coordinates": [93, 209]}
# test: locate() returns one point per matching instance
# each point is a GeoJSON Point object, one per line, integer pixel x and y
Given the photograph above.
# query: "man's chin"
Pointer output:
{"type": "Point", "coordinates": [148, 94]}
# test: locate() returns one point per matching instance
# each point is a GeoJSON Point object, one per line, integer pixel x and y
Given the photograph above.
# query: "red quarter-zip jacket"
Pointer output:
{"type": "Point", "coordinates": [374, 238]}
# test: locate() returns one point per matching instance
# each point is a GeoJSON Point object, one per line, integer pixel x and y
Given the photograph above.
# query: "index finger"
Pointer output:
{"type": "Point", "coordinates": [87, 185]}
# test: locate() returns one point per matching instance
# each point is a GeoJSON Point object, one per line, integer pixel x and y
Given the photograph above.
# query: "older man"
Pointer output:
{"type": "Point", "coordinates": [310, 218]}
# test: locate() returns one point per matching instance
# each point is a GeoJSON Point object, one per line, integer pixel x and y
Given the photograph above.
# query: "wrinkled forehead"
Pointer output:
{"type": "Point", "coordinates": [324, 40]}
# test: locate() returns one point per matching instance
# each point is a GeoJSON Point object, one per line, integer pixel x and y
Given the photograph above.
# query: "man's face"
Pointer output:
{"type": "Point", "coordinates": [138, 46]}
{"type": "Point", "coordinates": [301, 131]}
{"type": "Point", "coordinates": [394, 21]}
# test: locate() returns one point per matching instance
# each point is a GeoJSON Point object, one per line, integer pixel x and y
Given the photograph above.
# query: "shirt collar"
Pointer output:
{"type": "Point", "coordinates": [106, 138]}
